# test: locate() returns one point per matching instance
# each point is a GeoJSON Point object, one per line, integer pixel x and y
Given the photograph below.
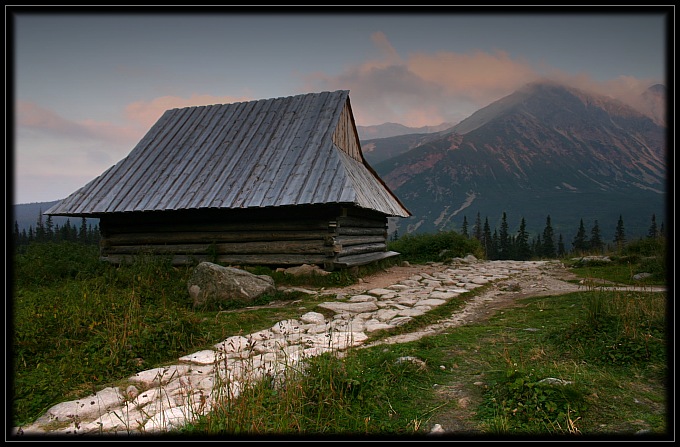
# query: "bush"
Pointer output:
{"type": "Point", "coordinates": [645, 247]}
{"type": "Point", "coordinates": [526, 404]}
{"type": "Point", "coordinates": [421, 248]}
{"type": "Point", "coordinates": [48, 263]}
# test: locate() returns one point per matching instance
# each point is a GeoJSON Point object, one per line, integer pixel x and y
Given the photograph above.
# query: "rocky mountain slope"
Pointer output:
{"type": "Point", "coordinates": [545, 150]}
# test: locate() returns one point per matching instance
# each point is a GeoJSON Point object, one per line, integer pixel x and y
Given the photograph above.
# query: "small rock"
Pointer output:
{"type": "Point", "coordinates": [436, 429]}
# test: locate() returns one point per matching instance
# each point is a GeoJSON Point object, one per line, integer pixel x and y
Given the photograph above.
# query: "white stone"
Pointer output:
{"type": "Point", "coordinates": [443, 295]}
{"type": "Point", "coordinates": [313, 318]}
{"type": "Point", "coordinates": [432, 302]}
{"type": "Point", "coordinates": [414, 312]}
{"type": "Point", "coordinates": [362, 298]}
{"type": "Point", "coordinates": [236, 343]}
{"type": "Point", "coordinates": [349, 307]}
{"type": "Point", "coordinates": [374, 325]}
{"type": "Point", "coordinates": [286, 326]}
{"type": "Point", "coordinates": [205, 357]}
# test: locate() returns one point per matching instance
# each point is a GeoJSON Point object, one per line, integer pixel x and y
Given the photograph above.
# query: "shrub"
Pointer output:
{"type": "Point", "coordinates": [526, 404]}
{"type": "Point", "coordinates": [52, 262]}
{"type": "Point", "coordinates": [421, 248]}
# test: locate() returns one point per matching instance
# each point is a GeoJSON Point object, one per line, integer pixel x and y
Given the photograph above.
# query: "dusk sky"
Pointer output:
{"type": "Point", "coordinates": [88, 86]}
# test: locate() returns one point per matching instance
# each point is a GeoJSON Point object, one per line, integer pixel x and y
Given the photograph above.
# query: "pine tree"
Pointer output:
{"type": "Point", "coordinates": [522, 247]}
{"type": "Point", "coordinates": [94, 236]}
{"type": "Point", "coordinates": [40, 234]}
{"type": "Point", "coordinates": [49, 228]}
{"type": "Point", "coordinates": [16, 237]}
{"type": "Point", "coordinates": [620, 234]}
{"type": "Point", "coordinates": [596, 243]}
{"type": "Point", "coordinates": [464, 229]}
{"type": "Point", "coordinates": [495, 246]}
{"type": "Point", "coordinates": [548, 240]}
{"type": "Point", "coordinates": [69, 231]}
{"type": "Point", "coordinates": [503, 239]}
{"type": "Point", "coordinates": [653, 232]}
{"type": "Point", "coordinates": [537, 247]}
{"type": "Point", "coordinates": [477, 229]}
{"type": "Point", "coordinates": [82, 235]}
{"type": "Point", "coordinates": [561, 252]}
{"type": "Point", "coordinates": [513, 247]}
{"type": "Point", "coordinates": [487, 241]}
{"type": "Point", "coordinates": [580, 242]}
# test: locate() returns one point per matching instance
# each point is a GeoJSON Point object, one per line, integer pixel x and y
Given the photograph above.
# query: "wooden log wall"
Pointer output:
{"type": "Point", "coordinates": [360, 238]}
{"type": "Point", "coordinates": [333, 239]}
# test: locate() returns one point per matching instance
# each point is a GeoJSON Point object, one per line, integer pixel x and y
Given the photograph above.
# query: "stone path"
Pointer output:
{"type": "Point", "coordinates": [162, 399]}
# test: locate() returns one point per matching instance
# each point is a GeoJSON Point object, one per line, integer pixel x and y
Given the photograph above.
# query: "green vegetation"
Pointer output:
{"type": "Point", "coordinates": [420, 248]}
{"type": "Point", "coordinates": [79, 325]}
{"type": "Point", "coordinates": [643, 256]}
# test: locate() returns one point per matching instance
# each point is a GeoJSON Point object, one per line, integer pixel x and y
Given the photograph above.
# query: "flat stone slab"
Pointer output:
{"type": "Point", "coordinates": [350, 307]}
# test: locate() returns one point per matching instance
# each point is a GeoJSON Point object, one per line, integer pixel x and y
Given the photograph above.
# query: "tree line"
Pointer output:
{"type": "Point", "coordinates": [46, 231]}
{"type": "Point", "coordinates": [501, 244]}
{"type": "Point", "coordinates": [498, 245]}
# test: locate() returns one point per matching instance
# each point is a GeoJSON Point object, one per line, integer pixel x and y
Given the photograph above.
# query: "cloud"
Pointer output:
{"type": "Point", "coordinates": [31, 116]}
{"type": "Point", "coordinates": [66, 154]}
{"type": "Point", "coordinates": [146, 113]}
{"type": "Point", "coordinates": [480, 77]}
{"type": "Point", "coordinates": [139, 116]}
{"type": "Point", "coordinates": [428, 89]}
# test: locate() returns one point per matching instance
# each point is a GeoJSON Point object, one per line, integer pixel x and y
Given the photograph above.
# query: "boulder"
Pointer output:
{"type": "Point", "coordinates": [212, 283]}
{"type": "Point", "coordinates": [306, 269]}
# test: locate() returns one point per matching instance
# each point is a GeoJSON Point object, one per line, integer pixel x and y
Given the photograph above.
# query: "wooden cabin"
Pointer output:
{"type": "Point", "coordinates": [276, 182]}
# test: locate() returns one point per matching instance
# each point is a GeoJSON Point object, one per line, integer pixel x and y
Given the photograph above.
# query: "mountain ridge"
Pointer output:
{"type": "Point", "coordinates": [546, 149]}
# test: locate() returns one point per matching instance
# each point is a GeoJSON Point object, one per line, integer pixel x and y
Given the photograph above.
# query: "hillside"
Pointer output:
{"type": "Point", "coordinates": [546, 149]}
{"type": "Point", "coordinates": [26, 216]}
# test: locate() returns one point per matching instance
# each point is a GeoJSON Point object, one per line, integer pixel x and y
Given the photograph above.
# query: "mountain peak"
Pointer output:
{"type": "Point", "coordinates": [546, 149]}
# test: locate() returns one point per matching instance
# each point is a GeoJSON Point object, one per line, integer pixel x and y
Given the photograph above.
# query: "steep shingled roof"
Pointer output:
{"type": "Point", "coordinates": [295, 150]}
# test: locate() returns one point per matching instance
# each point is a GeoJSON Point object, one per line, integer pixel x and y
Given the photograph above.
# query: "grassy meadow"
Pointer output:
{"type": "Point", "coordinates": [78, 325]}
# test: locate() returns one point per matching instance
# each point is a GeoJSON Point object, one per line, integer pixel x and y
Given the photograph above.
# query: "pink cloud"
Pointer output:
{"type": "Point", "coordinates": [428, 89]}
{"type": "Point", "coordinates": [146, 113]}
{"type": "Point", "coordinates": [32, 116]}
{"type": "Point", "coordinates": [139, 117]}
{"type": "Point", "coordinates": [480, 77]}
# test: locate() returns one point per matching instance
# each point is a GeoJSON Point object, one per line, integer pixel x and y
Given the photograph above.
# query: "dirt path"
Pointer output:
{"type": "Point", "coordinates": [551, 278]}
{"type": "Point", "coordinates": [538, 280]}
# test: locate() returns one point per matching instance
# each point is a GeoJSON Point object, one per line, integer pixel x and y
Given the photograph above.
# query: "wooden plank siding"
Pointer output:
{"type": "Point", "coordinates": [330, 236]}
{"type": "Point", "coordinates": [345, 136]}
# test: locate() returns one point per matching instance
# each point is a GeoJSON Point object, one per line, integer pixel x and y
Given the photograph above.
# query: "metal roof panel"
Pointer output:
{"type": "Point", "coordinates": [262, 153]}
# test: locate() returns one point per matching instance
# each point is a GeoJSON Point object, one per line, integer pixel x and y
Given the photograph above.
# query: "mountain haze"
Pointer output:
{"type": "Point", "coordinates": [545, 150]}
{"type": "Point", "coordinates": [26, 216]}
{"type": "Point", "coordinates": [393, 129]}
{"type": "Point", "coordinates": [654, 103]}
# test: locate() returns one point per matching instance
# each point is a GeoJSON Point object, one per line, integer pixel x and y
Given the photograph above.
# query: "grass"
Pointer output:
{"type": "Point", "coordinates": [79, 326]}
{"type": "Point", "coordinates": [646, 256]}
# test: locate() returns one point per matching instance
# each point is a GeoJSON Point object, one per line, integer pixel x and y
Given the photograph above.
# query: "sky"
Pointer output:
{"type": "Point", "coordinates": [86, 85]}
